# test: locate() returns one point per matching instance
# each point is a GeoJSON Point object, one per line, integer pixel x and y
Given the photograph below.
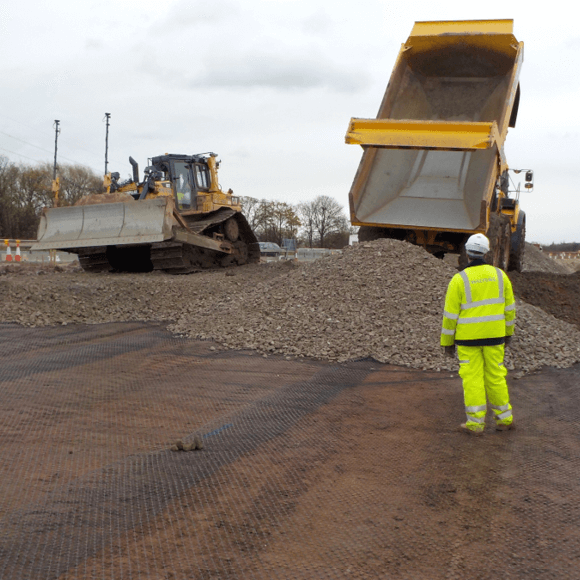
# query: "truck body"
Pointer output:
{"type": "Point", "coordinates": [433, 170]}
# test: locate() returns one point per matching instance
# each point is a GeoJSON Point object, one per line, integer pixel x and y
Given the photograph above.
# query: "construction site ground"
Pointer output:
{"type": "Point", "coordinates": [310, 469]}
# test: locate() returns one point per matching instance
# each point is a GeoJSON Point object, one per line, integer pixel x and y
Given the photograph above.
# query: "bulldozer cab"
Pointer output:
{"type": "Point", "coordinates": [188, 175]}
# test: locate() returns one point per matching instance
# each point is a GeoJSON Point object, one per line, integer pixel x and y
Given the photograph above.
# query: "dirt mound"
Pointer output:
{"type": "Point", "coordinates": [382, 299]}
{"type": "Point", "coordinates": [557, 294]}
{"type": "Point", "coordinates": [536, 261]}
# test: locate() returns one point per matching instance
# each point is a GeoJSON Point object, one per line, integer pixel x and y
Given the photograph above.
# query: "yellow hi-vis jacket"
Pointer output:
{"type": "Point", "coordinates": [480, 308]}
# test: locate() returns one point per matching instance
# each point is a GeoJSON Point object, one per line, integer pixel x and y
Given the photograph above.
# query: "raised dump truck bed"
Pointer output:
{"type": "Point", "coordinates": [433, 170]}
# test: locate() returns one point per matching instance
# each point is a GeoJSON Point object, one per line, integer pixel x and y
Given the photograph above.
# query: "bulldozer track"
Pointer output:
{"type": "Point", "coordinates": [179, 258]}
{"type": "Point", "coordinates": [176, 257]}
{"type": "Point", "coordinates": [94, 259]}
{"type": "Point", "coordinates": [200, 225]}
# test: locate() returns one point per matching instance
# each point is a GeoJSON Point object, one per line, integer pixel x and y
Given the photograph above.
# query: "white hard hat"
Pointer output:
{"type": "Point", "coordinates": [477, 245]}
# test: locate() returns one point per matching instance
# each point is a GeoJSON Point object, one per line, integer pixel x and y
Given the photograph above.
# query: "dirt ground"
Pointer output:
{"type": "Point", "coordinates": [309, 469]}
{"type": "Point", "coordinates": [557, 294]}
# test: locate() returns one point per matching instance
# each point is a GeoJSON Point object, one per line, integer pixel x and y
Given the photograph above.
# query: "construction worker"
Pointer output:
{"type": "Point", "coordinates": [479, 320]}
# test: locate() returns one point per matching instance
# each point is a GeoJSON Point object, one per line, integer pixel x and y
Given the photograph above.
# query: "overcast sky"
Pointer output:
{"type": "Point", "coordinates": [269, 85]}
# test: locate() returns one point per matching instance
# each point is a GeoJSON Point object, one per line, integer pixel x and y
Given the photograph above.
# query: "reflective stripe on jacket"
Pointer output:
{"type": "Point", "coordinates": [479, 305]}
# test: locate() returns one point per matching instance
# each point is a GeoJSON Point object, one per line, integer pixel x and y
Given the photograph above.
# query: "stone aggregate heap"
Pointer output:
{"type": "Point", "coordinates": [536, 261]}
{"type": "Point", "coordinates": [382, 299]}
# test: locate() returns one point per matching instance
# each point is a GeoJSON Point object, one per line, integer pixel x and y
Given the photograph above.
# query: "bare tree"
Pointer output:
{"type": "Point", "coordinates": [251, 210]}
{"type": "Point", "coordinates": [33, 192]}
{"type": "Point", "coordinates": [8, 208]}
{"type": "Point", "coordinates": [328, 217]}
{"type": "Point", "coordinates": [25, 190]}
{"type": "Point", "coordinates": [77, 181]}
{"type": "Point", "coordinates": [306, 212]}
{"type": "Point", "coordinates": [276, 220]}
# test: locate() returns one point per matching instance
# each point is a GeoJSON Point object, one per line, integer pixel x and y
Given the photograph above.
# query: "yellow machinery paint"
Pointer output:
{"type": "Point", "coordinates": [177, 219]}
{"type": "Point", "coordinates": [433, 170]}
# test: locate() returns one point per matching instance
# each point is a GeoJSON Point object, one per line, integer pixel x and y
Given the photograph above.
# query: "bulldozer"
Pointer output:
{"type": "Point", "coordinates": [177, 220]}
{"type": "Point", "coordinates": [433, 170]}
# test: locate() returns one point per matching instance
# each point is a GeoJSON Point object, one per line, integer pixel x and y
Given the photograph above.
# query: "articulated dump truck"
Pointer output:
{"type": "Point", "coordinates": [433, 171]}
{"type": "Point", "coordinates": [177, 220]}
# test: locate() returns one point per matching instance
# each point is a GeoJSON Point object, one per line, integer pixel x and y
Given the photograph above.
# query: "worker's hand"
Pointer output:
{"type": "Point", "coordinates": [508, 339]}
{"type": "Point", "coordinates": [450, 351]}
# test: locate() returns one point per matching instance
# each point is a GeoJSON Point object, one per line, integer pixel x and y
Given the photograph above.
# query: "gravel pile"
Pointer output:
{"type": "Point", "coordinates": [382, 299]}
{"type": "Point", "coordinates": [536, 261]}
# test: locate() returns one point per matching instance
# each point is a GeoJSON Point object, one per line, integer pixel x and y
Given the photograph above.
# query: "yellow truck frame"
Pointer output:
{"type": "Point", "coordinates": [434, 170]}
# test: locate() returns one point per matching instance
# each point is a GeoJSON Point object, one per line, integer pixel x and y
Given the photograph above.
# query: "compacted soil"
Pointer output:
{"type": "Point", "coordinates": [309, 469]}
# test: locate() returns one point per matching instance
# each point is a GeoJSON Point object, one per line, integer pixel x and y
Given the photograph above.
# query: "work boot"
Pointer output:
{"type": "Point", "coordinates": [504, 427]}
{"type": "Point", "coordinates": [465, 429]}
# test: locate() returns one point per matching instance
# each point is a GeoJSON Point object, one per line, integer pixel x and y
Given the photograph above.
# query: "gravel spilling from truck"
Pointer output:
{"type": "Point", "coordinates": [382, 299]}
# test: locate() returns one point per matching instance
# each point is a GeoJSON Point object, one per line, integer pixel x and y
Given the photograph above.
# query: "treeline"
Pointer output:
{"type": "Point", "coordinates": [318, 223]}
{"type": "Point", "coordinates": [25, 190]}
{"type": "Point", "coordinates": [562, 247]}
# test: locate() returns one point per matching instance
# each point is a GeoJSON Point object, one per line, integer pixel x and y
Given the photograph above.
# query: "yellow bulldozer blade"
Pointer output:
{"type": "Point", "coordinates": [105, 224]}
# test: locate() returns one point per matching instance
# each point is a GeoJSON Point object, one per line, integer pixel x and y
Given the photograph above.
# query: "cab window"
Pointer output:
{"type": "Point", "coordinates": [182, 185]}
{"type": "Point", "coordinates": [201, 176]}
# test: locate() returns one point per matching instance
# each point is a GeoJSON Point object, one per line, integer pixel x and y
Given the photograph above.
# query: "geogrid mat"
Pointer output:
{"type": "Point", "coordinates": [309, 470]}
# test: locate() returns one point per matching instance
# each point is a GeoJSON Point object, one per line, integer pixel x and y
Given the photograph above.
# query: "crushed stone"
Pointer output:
{"type": "Point", "coordinates": [382, 299]}
{"type": "Point", "coordinates": [536, 261]}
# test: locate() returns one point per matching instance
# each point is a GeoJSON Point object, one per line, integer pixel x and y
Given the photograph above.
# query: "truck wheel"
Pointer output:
{"type": "Point", "coordinates": [518, 245]}
{"type": "Point", "coordinates": [504, 254]}
{"type": "Point", "coordinates": [499, 235]}
{"type": "Point", "coordinates": [368, 234]}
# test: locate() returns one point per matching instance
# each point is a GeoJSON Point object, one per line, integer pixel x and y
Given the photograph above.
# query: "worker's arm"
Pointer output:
{"type": "Point", "coordinates": [510, 307]}
{"type": "Point", "coordinates": [451, 311]}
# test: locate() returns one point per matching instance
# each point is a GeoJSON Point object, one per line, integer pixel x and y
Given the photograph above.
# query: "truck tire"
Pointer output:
{"type": "Point", "coordinates": [518, 245]}
{"type": "Point", "coordinates": [499, 235]}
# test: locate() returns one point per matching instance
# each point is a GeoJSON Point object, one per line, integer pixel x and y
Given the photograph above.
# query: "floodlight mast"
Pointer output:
{"type": "Point", "coordinates": [55, 181]}
{"type": "Point", "coordinates": [107, 116]}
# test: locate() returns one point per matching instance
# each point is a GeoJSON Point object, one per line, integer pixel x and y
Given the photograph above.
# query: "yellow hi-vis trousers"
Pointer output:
{"type": "Point", "coordinates": [482, 371]}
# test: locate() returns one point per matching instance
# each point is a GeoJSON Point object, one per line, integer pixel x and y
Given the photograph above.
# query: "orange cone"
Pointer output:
{"type": "Point", "coordinates": [17, 256]}
{"type": "Point", "coordinates": [8, 252]}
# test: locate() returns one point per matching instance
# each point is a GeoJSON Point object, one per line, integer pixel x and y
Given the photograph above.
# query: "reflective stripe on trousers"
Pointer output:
{"type": "Point", "coordinates": [483, 374]}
